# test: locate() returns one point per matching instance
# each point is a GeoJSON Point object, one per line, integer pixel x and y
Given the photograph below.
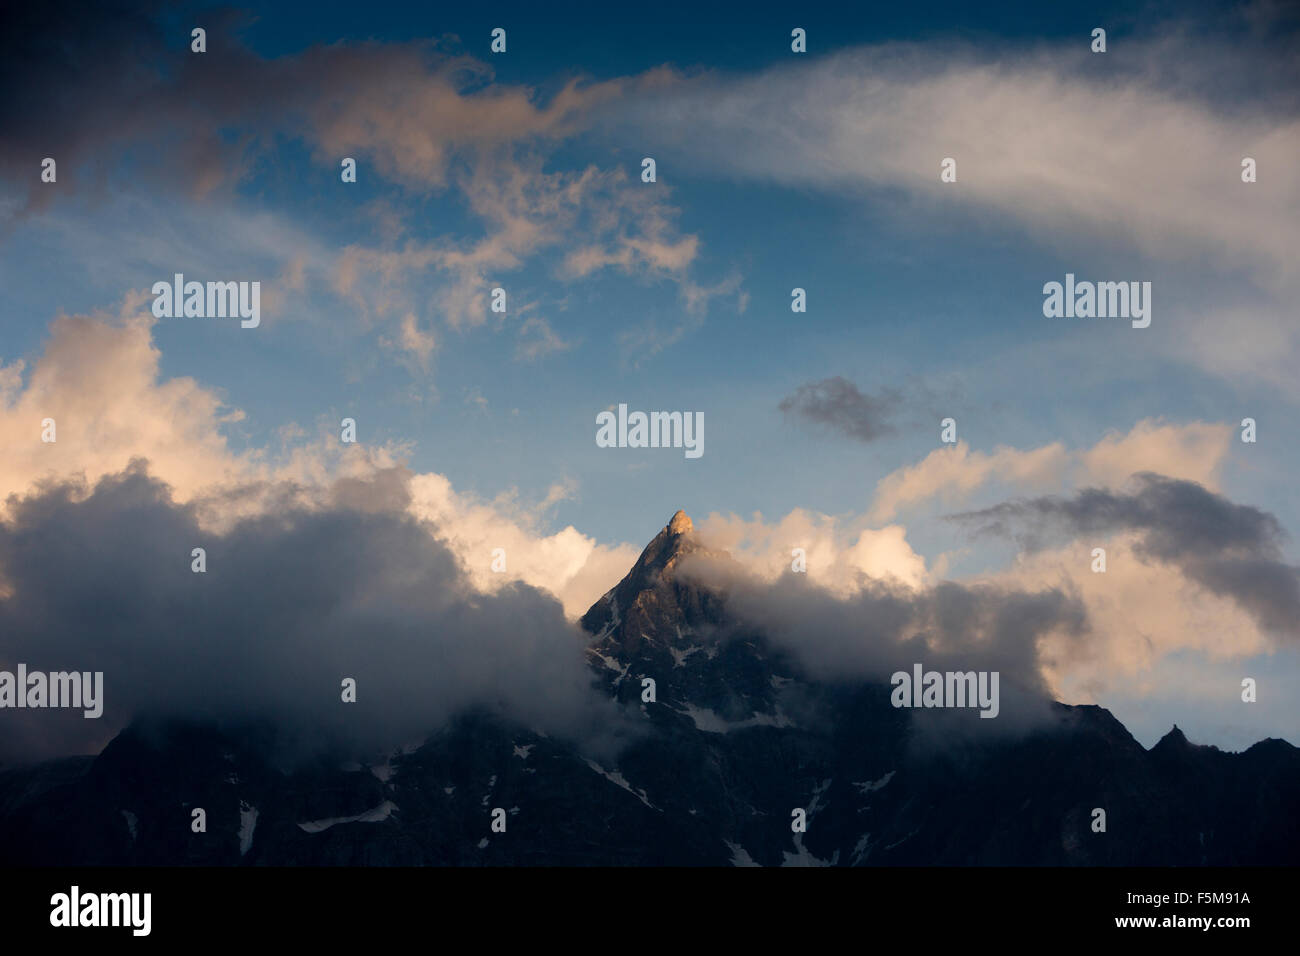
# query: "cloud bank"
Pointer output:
{"type": "Point", "coordinates": [99, 578]}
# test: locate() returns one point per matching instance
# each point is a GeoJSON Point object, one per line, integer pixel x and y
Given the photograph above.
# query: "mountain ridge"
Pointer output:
{"type": "Point", "coordinates": [737, 742]}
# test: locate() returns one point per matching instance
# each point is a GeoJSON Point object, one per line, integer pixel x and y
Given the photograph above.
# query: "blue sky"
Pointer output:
{"type": "Point", "coordinates": [930, 289]}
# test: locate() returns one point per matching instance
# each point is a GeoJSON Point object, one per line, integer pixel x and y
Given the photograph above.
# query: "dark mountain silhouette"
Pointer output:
{"type": "Point", "coordinates": [736, 739]}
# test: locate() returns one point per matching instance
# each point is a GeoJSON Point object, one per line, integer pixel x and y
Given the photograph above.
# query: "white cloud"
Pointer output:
{"type": "Point", "coordinates": [1135, 158]}
{"type": "Point", "coordinates": [838, 551]}
{"type": "Point", "coordinates": [99, 379]}
{"type": "Point", "coordinates": [950, 475]}
{"type": "Point", "coordinates": [1036, 139]}
{"type": "Point", "coordinates": [569, 564]}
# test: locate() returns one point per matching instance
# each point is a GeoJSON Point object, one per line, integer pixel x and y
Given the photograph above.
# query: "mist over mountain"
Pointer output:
{"type": "Point", "coordinates": [739, 736]}
{"type": "Point", "coordinates": [291, 603]}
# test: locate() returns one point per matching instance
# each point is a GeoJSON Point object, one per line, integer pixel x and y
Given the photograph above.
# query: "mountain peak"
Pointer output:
{"type": "Point", "coordinates": [1174, 741]}
{"type": "Point", "coordinates": [653, 573]}
{"type": "Point", "coordinates": [675, 539]}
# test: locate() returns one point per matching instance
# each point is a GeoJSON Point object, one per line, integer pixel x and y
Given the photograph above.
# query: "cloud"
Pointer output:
{"type": "Point", "coordinates": [570, 565]}
{"type": "Point", "coordinates": [588, 220]}
{"type": "Point", "coordinates": [1250, 339]}
{"type": "Point", "coordinates": [1142, 614]}
{"type": "Point", "coordinates": [98, 578]}
{"type": "Point", "coordinates": [1194, 451]}
{"type": "Point", "coordinates": [696, 297]}
{"type": "Point", "coordinates": [1231, 550]}
{"type": "Point", "coordinates": [630, 253]}
{"type": "Point", "coordinates": [413, 114]}
{"type": "Point", "coordinates": [99, 378]}
{"type": "Point", "coordinates": [1139, 151]}
{"type": "Point", "coordinates": [868, 604]}
{"type": "Point", "coordinates": [837, 403]}
{"type": "Point", "coordinates": [1033, 134]}
{"type": "Point", "coordinates": [1188, 572]}
{"type": "Point", "coordinates": [538, 339]}
{"type": "Point", "coordinates": [98, 79]}
{"type": "Point", "coordinates": [838, 553]}
{"type": "Point", "coordinates": [954, 472]}
{"type": "Point", "coordinates": [883, 627]}
{"type": "Point", "coordinates": [421, 344]}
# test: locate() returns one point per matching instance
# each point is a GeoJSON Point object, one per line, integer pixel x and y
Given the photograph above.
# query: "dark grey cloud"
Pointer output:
{"type": "Point", "coordinates": [293, 602]}
{"type": "Point", "coordinates": [838, 404]}
{"type": "Point", "coordinates": [112, 88]}
{"type": "Point", "coordinates": [1230, 549]}
{"type": "Point", "coordinates": [883, 628]}
{"type": "Point", "coordinates": [76, 75]}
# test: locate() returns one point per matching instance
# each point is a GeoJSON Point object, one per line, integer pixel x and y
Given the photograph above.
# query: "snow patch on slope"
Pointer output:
{"type": "Point", "coordinates": [870, 786]}
{"type": "Point", "coordinates": [712, 723]}
{"type": "Point", "coordinates": [610, 662]}
{"type": "Point", "coordinates": [739, 855]}
{"type": "Point", "coordinates": [679, 657]}
{"type": "Point", "coordinates": [373, 815]}
{"type": "Point", "coordinates": [803, 857]}
{"type": "Point", "coordinates": [247, 824]}
{"type": "Point", "coordinates": [862, 848]}
{"type": "Point", "coordinates": [619, 780]}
